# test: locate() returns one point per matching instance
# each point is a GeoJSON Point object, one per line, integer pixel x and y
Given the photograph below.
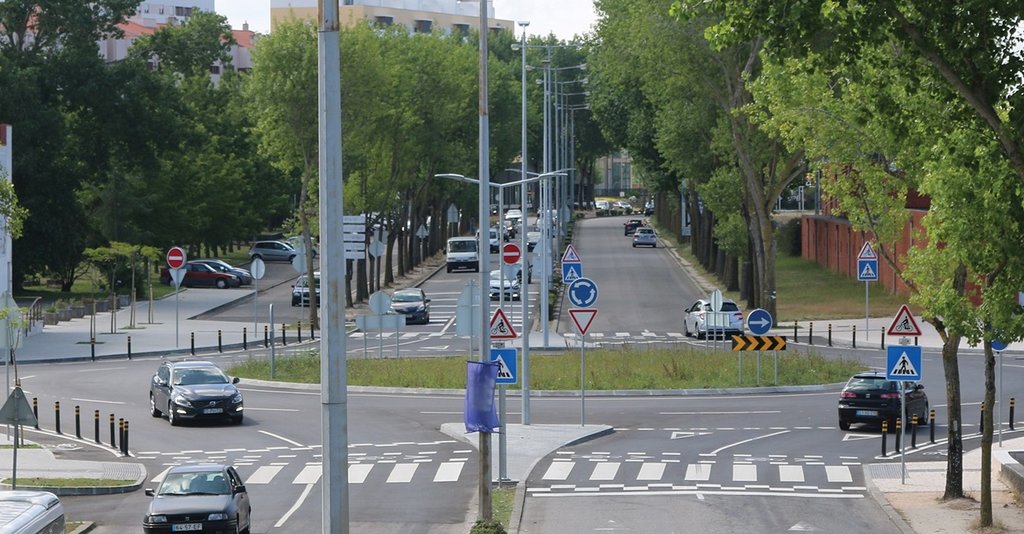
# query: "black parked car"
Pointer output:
{"type": "Point", "coordinates": [199, 498]}
{"type": "Point", "coordinates": [871, 398]}
{"type": "Point", "coordinates": [194, 390]}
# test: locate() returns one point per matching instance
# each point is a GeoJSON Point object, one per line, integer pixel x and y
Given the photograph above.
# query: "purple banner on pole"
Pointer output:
{"type": "Point", "coordinates": [480, 414]}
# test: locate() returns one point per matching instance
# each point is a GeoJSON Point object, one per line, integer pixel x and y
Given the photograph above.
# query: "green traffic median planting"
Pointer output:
{"type": "Point", "coordinates": [607, 369]}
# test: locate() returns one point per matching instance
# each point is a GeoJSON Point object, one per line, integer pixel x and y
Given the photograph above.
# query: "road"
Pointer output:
{"type": "Point", "coordinates": [732, 463]}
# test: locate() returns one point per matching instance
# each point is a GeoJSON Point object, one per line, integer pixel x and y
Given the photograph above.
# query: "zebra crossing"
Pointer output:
{"type": "Point", "coordinates": [359, 473]}
{"type": "Point", "coordinates": [641, 473]}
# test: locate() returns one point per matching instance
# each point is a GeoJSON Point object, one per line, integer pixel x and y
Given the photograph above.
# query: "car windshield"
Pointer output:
{"type": "Point", "coordinates": [198, 375]}
{"type": "Point", "coordinates": [644, 231]}
{"type": "Point", "coordinates": [871, 382]}
{"type": "Point", "coordinates": [406, 296]}
{"type": "Point", "coordinates": [218, 267]}
{"type": "Point", "coordinates": [462, 246]}
{"type": "Point", "coordinates": [727, 306]}
{"type": "Point", "coordinates": [191, 483]}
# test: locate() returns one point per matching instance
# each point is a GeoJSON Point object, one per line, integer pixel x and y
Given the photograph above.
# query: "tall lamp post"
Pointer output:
{"type": "Point", "coordinates": [484, 481]}
{"type": "Point", "coordinates": [525, 380]}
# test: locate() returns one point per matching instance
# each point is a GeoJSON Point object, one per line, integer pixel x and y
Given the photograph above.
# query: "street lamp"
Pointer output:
{"type": "Point", "coordinates": [525, 411]}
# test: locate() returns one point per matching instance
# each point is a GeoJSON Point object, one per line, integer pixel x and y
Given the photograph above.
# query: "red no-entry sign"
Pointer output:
{"type": "Point", "coordinates": [510, 253]}
{"type": "Point", "coordinates": [176, 258]}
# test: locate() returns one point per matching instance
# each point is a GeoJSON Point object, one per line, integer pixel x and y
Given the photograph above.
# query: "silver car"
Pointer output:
{"type": "Point", "coordinates": [511, 286]}
{"type": "Point", "coordinates": [696, 319]}
{"type": "Point", "coordinates": [272, 251]}
{"type": "Point", "coordinates": [645, 237]}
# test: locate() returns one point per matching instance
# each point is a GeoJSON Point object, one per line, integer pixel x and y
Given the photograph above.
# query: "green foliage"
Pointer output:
{"type": "Point", "coordinates": [488, 526]}
{"type": "Point", "coordinates": [189, 49]}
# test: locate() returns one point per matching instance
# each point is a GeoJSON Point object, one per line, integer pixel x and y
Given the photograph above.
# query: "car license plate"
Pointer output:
{"type": "Point", "coordinates": [187, 527]}
{"type": "Point", "coordinates": [213, 410]}
{"type": "Point", "coordinates": [868, 413]}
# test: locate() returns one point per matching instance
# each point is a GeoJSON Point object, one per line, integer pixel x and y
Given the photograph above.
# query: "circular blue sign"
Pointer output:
{"type": "Point", "coordinates": [759, 322]}
{"type": "Point", "coordinates": [582, 293]}
{"type": "Point", "coordinates": [998, 345]}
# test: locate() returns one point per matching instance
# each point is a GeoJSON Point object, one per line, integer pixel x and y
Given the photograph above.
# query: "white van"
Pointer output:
{"type": "Point", "coordinates": [462, 253]}
{"type": "Point", "coordinates": [31, 512]}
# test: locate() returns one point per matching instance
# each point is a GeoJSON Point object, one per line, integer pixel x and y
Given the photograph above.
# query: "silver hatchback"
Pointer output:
{"type": "Point", "coordinates": [272, 251]}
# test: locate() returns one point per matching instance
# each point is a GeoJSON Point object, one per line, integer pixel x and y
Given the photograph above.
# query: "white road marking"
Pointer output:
{"type": "Point", "coordinates": [744, 473]}
{"type": "Point", "coordinates": [357, 473]}
{"type": "Point", "coordinates": [605, 471]}
{"type": "Point", "coordinates": [160, 477]}
{"type": "Point", "coordinates": [752, 412]}
{"type": "Point", "coordinates": [651, 471]}
{"type": "Point", "coordinates": [309, 475]}
{"type": "Point", "coordinates": [298, 503]}
{"type": "Point", "coordinates": [558, 471]}
{"type": "Point", "coordinates": [838, 473]}
{"type": "Point", "coordinates": [251, 409]}
{"type": "Point", "coordinates": [264, 474]}
{"type": "Point", "coordinates": [448, 325]}
{"type": "Point", "coordinates": [449, 471]}
{"type": "Point", "coordinates": [720, 449]}
{"type": "Point", "coordinates": [282, 438]}
{"type": "Point", "coordinates": [698, 472]}
{"type": "Point", "coordinates": [791, 473]}
{"type": "Point", "coordinates": [97, 400]}
{"type": "Point", "coordinates": [402, 473]}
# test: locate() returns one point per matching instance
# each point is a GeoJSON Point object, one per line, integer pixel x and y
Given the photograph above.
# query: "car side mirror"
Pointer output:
{"type": "Point", "coordinates": [426, 300]}
{"type": "Point", "coordinates": [235, 380]}
{"type": "Point", "coordinates": [159, 381]}
{"type": "Point", "coordinates": [919, 387]}
{"type": "Point", "coordinates": [240, 489]}
{"type": "Point", "coordinates": [150, 492]}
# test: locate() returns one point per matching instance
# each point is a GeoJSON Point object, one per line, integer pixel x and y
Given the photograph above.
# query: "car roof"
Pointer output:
{"type": "Point", "coordinates": [192, 364]}
{"type": "Point", "coordinates": [197, 468]}
{"type": "Point", "coordinates": [413, 290]}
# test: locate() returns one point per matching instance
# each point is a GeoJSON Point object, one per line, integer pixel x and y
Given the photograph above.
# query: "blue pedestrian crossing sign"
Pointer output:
{"type": "Point", "coordinates": [867, 270]}
{"type": "Point", "coordinates": [903, 363]}
{"type": "Point", "coordinates": [571, 272]}
{"type": "Point", "coordinates": [506, 360]}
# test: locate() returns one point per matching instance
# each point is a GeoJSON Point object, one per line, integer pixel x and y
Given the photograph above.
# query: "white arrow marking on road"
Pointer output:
{"type": "Point", "coordinates": [681, 435]}
{"type": "Point", "coordinates": [802, 527]}
{"type": "Point", "coordinates": [858, 437]}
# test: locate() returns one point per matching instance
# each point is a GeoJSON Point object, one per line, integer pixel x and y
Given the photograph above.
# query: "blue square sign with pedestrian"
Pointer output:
{"type": "Point", "coordinates": [903, 362]}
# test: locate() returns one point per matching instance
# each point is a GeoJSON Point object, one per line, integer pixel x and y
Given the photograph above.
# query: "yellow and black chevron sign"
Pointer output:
{"type": "Point", "coordinates": [758, 343]}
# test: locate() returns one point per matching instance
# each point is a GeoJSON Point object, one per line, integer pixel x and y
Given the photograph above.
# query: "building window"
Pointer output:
{"type": "Point", "coordinates": [423, 26]}
{"type": "Point", "coordinates": [182, 11]}
{"type": "Point", "coordinates": [461, 29]}
{"type": "Point", "coordinates": [384, 21]}
{"type": "Point", "coordinates": [214, 69]}
{"type": "Point", "coordinates": [161, 10]}
{"type": "Point", "coordinates": [145, 8]}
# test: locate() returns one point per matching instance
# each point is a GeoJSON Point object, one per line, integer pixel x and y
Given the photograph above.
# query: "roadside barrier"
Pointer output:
{"type": "Point", "coordinates": [885, 433]}
{"type": "Point", "coordinates": [92, 347]}
{"type": "Point", "coordinates": [981, 420]}
{"type": "Point", "coordinates": [284, 334]}
{"type": "Point", "coordinates": [112, 428]}
{"type": "Point", "coordinates": [299, 331]}
{"type": "Point", "coordinates": [245, 339]}
{"type": "Point", "coordinates": [220, 341]}
{"type": "Point", "coordinates": [124, 440]}
{"type": "Point", "coordinates": [266, 336]}
{"type": "Point", "coordinates": [881, 336]}
{"type": "Point", "coordinates": [193, 342]}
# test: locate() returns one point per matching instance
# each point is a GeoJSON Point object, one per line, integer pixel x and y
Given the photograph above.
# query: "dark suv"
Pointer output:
{"type": "Point", "coordinates": [193, 390]}
{"type": "Point", "coordinates": [631, 225]}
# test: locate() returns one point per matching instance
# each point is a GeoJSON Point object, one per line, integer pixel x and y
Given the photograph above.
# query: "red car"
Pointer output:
{"type": "Point", "coordinates": [202, 275]}
{"type": "Point", "coordinates": [631, 225]}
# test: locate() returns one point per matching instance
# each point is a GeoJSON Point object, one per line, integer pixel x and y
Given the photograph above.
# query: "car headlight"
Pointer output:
{"type": "Point", "coordinates": [237, 398]}
{"type": "Point", "coordinates": [180, 400]}
{"type": "Point", "coordinates": [421, 307]}
{"type": "Point", "coordinates": [157, 519]}
{"type": "Point", "coordinates": [217, 516]}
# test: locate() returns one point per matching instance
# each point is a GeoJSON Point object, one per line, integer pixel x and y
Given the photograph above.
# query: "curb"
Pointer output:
{"type": "Point", "coordinates": [883, 503]}
{"type": "Point", "coordinates": [77, 491]}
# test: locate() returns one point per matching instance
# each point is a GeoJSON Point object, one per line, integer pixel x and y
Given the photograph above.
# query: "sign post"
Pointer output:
{"type": "Point", "coordinates": [582, 293]}
{"type": "Point", "coordinates": [903, 364]}
{"type": "Point", "coordinates": [760, 322]}
{"type": "Point", "coordinates": [867, 271]}
{"type": "Point", "coordinates": [258, 269]}
{"type": "Point", "coordinates": [176, 259]}
{"type": "Point", "coordinates": [501, 329]}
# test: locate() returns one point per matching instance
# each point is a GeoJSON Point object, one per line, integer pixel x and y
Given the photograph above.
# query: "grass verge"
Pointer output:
{"type": "Point", "coordinates": [607, 369]}
{"type": "Point", "coordinates": [502, 501]}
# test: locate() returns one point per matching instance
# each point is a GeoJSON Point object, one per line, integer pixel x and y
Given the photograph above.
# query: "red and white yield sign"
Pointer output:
{"type": "Point", "coordinates": [176, 258]}
{"type": "Point", "coordinates": [510, 253]}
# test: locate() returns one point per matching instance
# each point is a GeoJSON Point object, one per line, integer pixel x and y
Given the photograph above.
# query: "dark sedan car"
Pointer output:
{"type": "Point", "coordinates": [244, 276]}
{"type": "Point", "coordinates": [413, 304]}
{"type": "Point", "coordinates": [199, 498]}
{"type": "Point", "coordinates": [202, 275]}
{"type": "Point", "coordinates": [194, 390]}
{"type": "Point", "coordinates": [871, 398]}
{"type": "Point", "coordinates": [631, 225]}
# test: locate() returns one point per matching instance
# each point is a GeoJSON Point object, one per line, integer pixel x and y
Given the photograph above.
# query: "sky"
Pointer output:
{"type": "Point", "coordinates": [564, 18]}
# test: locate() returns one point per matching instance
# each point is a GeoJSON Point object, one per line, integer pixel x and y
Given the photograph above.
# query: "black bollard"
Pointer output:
{"type": "Point", "coordinates": [35, 410]}
{"type": "Point", "coordinates": [193, 336]}
{"type": "Point", "coordinates": [129, 347]}
{"type": "Point", "coordinates": [124, 440]}
{"type": "Point", "coordinates": [56, 415]}
{"type": "Point", "coordinates": [885, 432]}
{"type": "Point", "coordinates": [899, 435]}
{"type": "Point", "coordinates": [266, 336]}
{"type": "Point", "coordinates": [794, 332]}
{"type": "Point", "coordinates": [120, 433]}
{"type": "Point", "coordinates": [97, 414]}
{"type": "Point", "coordinates": [284, 334]}
{"type": "Point", "coordinates": [245, 340]}
{"type": "Point", "coordinates": [881, 335]}
{"type": "Point", "coordinates": [299, 331]}
{"type": "Point", "coordinates": [810, 334]}
{"type": "Point", "coordinates": [931, 425]}
{"type": "Point", "coordinates": [92, 347]}
{"type": "Point", "coordinates": [113, 443]}
{"type": "Point", "coordinates": [78, 422]}
{"type": "Point", "coordinates": [830, 334]}
{"type": "Point", "coordinates": [981, 424]}
{"type": "Point", "coordinates": [1012, 403]}
{"type": "Point", "coordinates": [854, 336]}
{"type": "Point", "coordinates": [220, 346]}
{"type": "Point", "coordinates": [913, 432]}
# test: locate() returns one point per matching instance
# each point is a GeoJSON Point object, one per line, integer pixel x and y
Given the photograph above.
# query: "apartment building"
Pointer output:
{"type": "Point", "coordinates": [420, 16]}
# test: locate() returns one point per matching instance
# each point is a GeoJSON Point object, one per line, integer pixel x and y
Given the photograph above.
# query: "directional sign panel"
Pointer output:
{"type": "Point", "coordinates": [571, 272]}
{"type": "Point", "coordinates": [903, 362]}
{"type": "Point", "coordinates": [507, 369]}
{"type": "Point", "coordinates": [760, 322]}
{"type": "Point", "coordinates": [758, 343]}
{"type": "Point", "coordinates": [582, 293]}
{"type": "Point", "coordinates": [867, 270]}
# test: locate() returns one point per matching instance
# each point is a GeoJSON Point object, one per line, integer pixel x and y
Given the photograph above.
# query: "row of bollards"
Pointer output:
{"type": "Point", "coordinates": [853, 330]}
{"type": "Point", "coordinates": [118, 430]}
{"type": "Point", "coordinates": [220, 340]}
{"type": "Point", "coordinates": [913, 432]}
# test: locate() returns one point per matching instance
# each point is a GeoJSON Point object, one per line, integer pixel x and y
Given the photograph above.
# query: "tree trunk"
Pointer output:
{"type": "Point", "coordinates": [951, 369]}
{"type": "Point", "coordinates": [986, 437]}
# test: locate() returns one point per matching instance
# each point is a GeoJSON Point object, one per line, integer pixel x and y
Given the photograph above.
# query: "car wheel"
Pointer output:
{"type": "Point", "coordinates": [256, 257]}
{"type": "Point", "coordinates": [291, 258]}
{"type": "Point", "coordinates": [634, 245]}
{"type": "Point", "coordinates": [654, 245]}
{"type": "Point", "coordinates": [844, 425]}
{"type": "Point", "coordinates": [686, 330]}
{"type": "Point", "coordinates": [170, 416]}
{"type": "Point", "coordinates": [153, 410]}
{"type": "Point", "coordinates": [222, 283]}
{"type": "Point", "coordinates": [449, 268]}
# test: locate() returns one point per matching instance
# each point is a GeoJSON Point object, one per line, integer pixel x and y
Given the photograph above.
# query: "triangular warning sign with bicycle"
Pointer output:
{"type": "Point", "coordinates": [501, 327]}
{"type": "Point", "coordinates": [904, 324]}
{"type": "Point", "coordinates": [570, 255]}
{"type": "Point", "coordinates": [866, 252]}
